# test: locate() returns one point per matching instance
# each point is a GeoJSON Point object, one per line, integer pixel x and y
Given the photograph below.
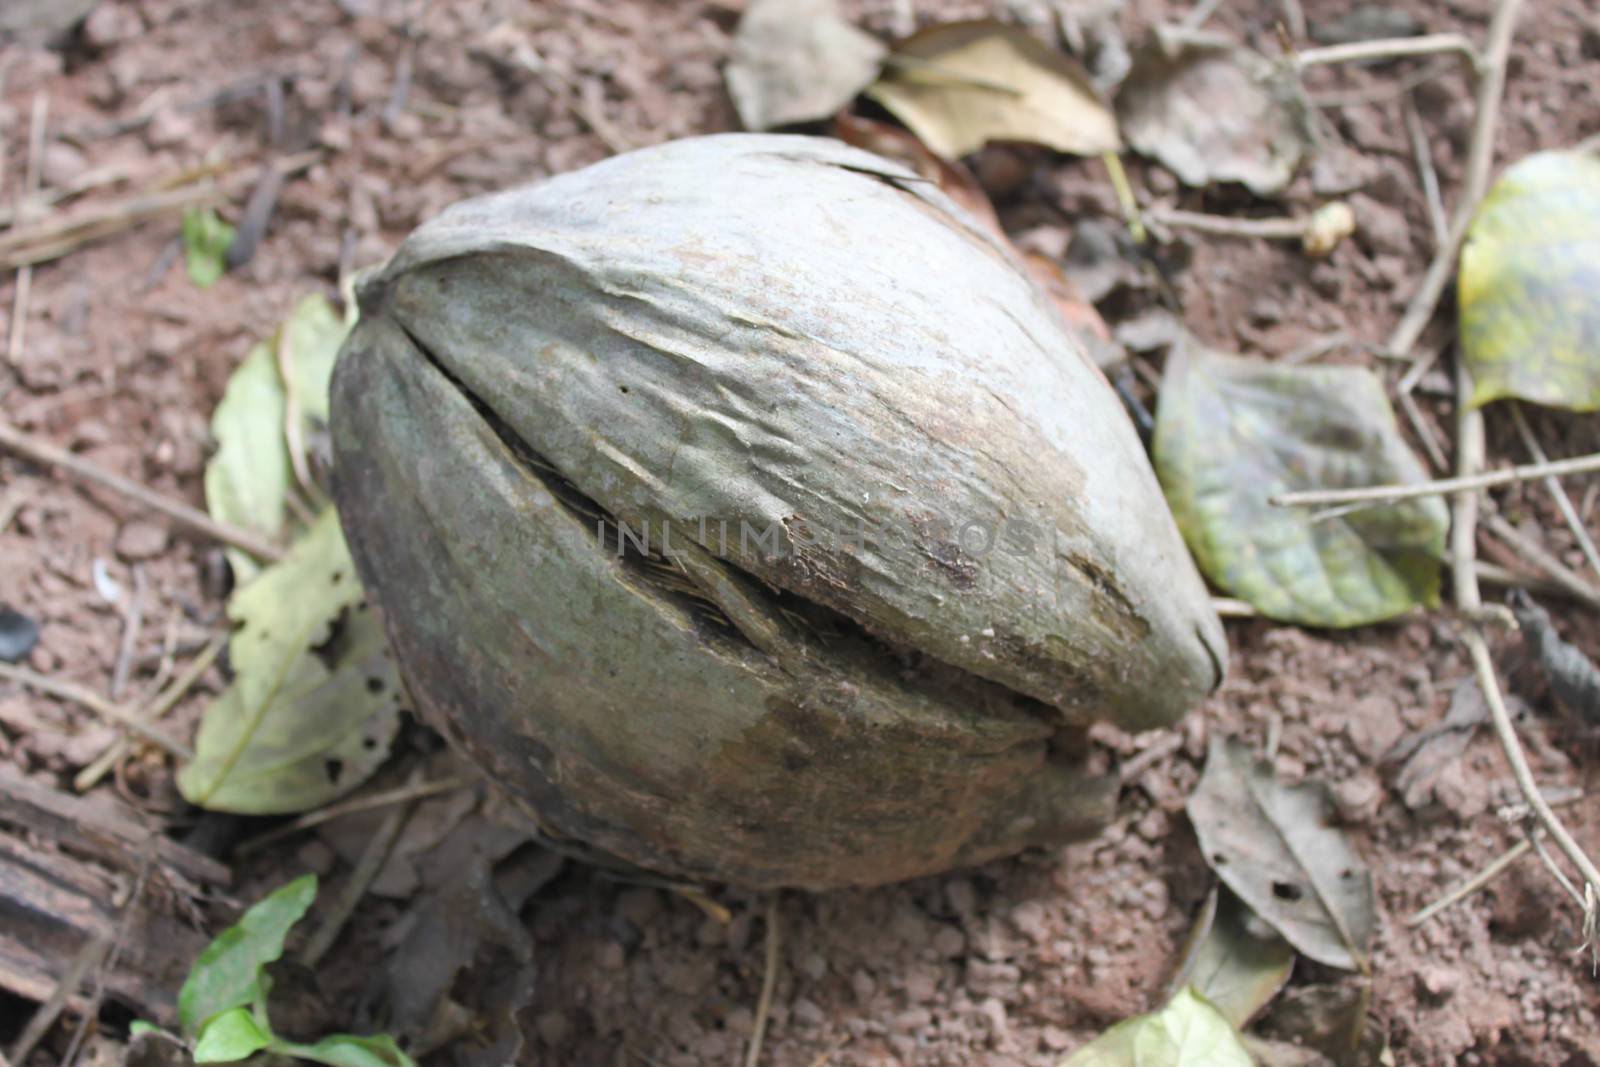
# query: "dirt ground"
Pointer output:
{"type": "Point", "coordinates": [413, 106]}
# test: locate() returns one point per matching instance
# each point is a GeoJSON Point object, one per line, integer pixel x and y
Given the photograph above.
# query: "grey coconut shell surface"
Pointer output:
{"type": "Point", "coordinates": [915, 544]}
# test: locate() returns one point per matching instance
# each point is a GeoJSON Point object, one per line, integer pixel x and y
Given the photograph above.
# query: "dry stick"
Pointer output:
{"type": "Point", "coordinates": [19, 306]}
{"type": "Point", "coordinates": [1379, 494]}
{"type": "Point", "coordinates": [769, 982]}
{"type": "Point", "coordinates": [351, 807]}
{"type": "Point", "coordinates": [132, 623]}
{"type": "Point", "coordinates": [1426, 172]}
{"type": "Point", "coordinates": [1536, 553]}
{"type": "Point", "coordinates": [45, 1015]}
{"type": "Point", "coordinates": [90, 776]}
{"type": "Point", "coordinates": [1506, 578]}
{"type": "Point", "coordinates": [1564, 502]}
{"type": "Point", "coordinates": [130, 907]}
{"type": "Point", "coordinates": [1532, 837]}
{"type": "Point", "coordinates": [191, 519]}
{"type": "Point", "coordinates": [1389, 48]}
{"type": "Point", "coordinates": [94, 702]}
{"type": "Point", "coordinates": [1465, 889]}
{"type": "Point", "coordinates": [1224, 226]}
{"type": "Point", "coordinates": [367, 868]}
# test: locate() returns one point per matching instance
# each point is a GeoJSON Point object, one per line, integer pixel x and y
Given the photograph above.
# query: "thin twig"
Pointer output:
{"type": "Point", "coordinates": [119, 942]}
{"type": "Point", "coordinates": [1470, 454]}
{"type": "Point", "coordinates": [1231, 608]}
{"type": "Point", "coordinates": [1389, 48]}
{"type": "Point", "coordinates": [45, 1015]}
{"type": "Point", "coordinates": [1540, 557]}
{"type": "Point", "coordinates": [1574, 523]}
{"type": "Point", "coordinates": [769, 982]}
{"type": "Point", "coordinates": [1465, 889]}
{"type": "Point", "coordinates": [162, 703]}
{"type": "Point", "coordinates": [1227, 226]}
{"type": "Point", "coordinates": [1533, 835]}
{"type": "Point", "coordinates": [19, 306]}
{"type": "Point", "coordinates": [1426, 172]}
{"type": "Point", "coordinates": [1201, 12]}
{"type": "Point", "coordinates": [350, 807]}
{"type": "Point", "coordinates": [1506, 578]}
{"type": "Point", "coordinates": [1379, 494]}
{"type": "Point", "coordinates": [94, 702]}
{"type": "Point", "coordinates": [132, 623]}
{"type": "Point", "coordinates": [191, 519]}
{"type": "Point", "coordinates": [371, 862]}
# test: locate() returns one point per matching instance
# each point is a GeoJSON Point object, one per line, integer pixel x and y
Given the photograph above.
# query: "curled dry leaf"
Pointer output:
{"type": "Point", "coordinates": [963, 84]}
{"type": "Point", "coordinates": [1232, 433]}
{"type": "Point", "coordinates": [1212, 111]}
{"type": "Point", "coordinates": [1234, 959]}
{"type": "Point", "coordinates": [1530, 272]}
{"type": "Point", "coordinates": [797, 61]}
{"type": "Point", "coordinates": [314, 702]}
{"type": "Point", "coordinates": [1188, 1032]}
{"type": "Point", "coordinates": [1573, 676]}
{"type": "Point", "coordinates": [1275, 847]}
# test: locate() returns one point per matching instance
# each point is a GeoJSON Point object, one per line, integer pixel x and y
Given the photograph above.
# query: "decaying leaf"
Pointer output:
{"type": "Point", "coordinates": [205, 241]}
{"type": "Point", "coordinates": [229, 973]}
{"type": "Point", "coordinates": [251, 474]}
{"type": "Point", "coordinates": [1275, 847]}
{"type": "Point", "coordinates": [1232, 433]}
{"type": "Point", "coordinates": [1424, 755]}
{"type": "Point", "coordinates": [1530, 272]}
{"type": "Point", "coordinates": [961, 85]}
{"type": "Point", "coordinates": [314, 702]}
{"type": "Point", "coordinates": [797, 61]}
{"type": "Point", "coordinates": [1188, 1032]}
{"type": "Point", "coordinates": [1573, 676]}
{"type": "Point", "coordinates": [1332, 1020]}
{"type": "Point", "coordinates": [1234, 959]}
{"type": "Point", "coordinates": [1212, 111]}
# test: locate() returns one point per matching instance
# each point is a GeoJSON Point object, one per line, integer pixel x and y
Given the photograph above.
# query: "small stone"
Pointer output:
{"type": "Point", "coordinates": [553, 1027]}
{"type": "Point", "coordinates": [1357, 799]}
{"type": "Point", "coordinates": [815, 966]}
{"type": "Point", "coordinates": [141, 539]}
{"type": "Point", "coordinates": [863, 985]}
{"type": "Point", "coordinates": [1438, 982]}
{"type": "Point", "coordinates": [18, 635]}
{"type": "Point", "coordinates": [610, 956]}
{"type": "Point", "coordinates": [62, 165]}
{"type": "Point", "coordinates": [960, 895]}
{"type": "Point", "coordinates": [169, 129]}
{"type": "Point", "coordinates": [1055, 1039]}
{"type": "Point", "coordinates": [806, 1013]}
{"type": "Point", "coordinates": [949, 943]}
{"type": "Point", "coordinates": [110, 24]}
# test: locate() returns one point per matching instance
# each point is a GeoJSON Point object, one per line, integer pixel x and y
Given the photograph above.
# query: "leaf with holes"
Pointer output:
{"type": "Point", "coordinates": [314, 702]}
{"type": "Point", "coordinates": [1275, 847]}
{"type": "Point", "coordinates": [1232, 433]}
{"type": "Point", "coordinates": [1530, 272]}
{"type": "Point", "coordinates": [1211, 111]}
{"type": "Point", "coordinates": [961, 85]}
{"type": "Point", "coordinates": [1188, 1032]}
{"type": "Point", "coordinates": [1234, 960]}
{"type": "Point", "coordinates": [797, 61]}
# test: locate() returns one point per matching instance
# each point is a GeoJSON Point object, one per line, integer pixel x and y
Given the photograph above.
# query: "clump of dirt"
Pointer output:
{"type": "Point", "coordinates": [411, 107]}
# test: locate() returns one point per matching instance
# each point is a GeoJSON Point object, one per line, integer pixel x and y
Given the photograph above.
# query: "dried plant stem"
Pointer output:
{"type": "Point", "coordinates": [1574, 523]}
{"type": "Point", "coordinates": [191, 519]}
{"type": "Point", "coordinates": [1382, 494]}
{"type": "Point", "coordinates": [1389, 48]}
{"type": "Point", "coordinates": [1465, 889]}
{"type": "Point", "coordinates": [369, 802]}
{"type": "Point", "coordinates": [30, 185]}
{"type": "Point", "coordinates": [45, 1015]}
{"type": "Point", "coordinates": [94, 702]}
{"type": "Point", "coordinates": [90, 776]}
{"type": "Point", "coordinates": [1535, 553]}
{"type": "Point", "coordinates": [769, 982]}
{"type": "Point", "coordinates": [1426, 172]}
{"type": "Point", "coordinates": [1225, 226]}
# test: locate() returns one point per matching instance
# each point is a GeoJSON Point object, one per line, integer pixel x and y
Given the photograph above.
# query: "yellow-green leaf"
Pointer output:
{"type": "Point", "coordinates": [963, 84]}
{"type": "Point", "coordinates": [314, 702]}
{"type": "Point", "coordinates": [1188, 1032]}
{"type": "Point", "coordinates": [1530, 284]}
{"type": "Point", "coordinates": [228, 973]}
{"type": "Point", "coordinates": [1232, 433]}
{"type": "Point", "coordinates": [205, 242]}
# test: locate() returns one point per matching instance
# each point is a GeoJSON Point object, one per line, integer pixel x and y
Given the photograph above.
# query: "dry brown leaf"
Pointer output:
{"type": "Point", "coordinates": [961, 85]}
{"type": "Point", "coordinates": [797, 61]}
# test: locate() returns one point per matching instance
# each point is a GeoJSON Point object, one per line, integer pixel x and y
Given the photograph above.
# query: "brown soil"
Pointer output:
{"type": "Point", "coordinates": [1016, 963]}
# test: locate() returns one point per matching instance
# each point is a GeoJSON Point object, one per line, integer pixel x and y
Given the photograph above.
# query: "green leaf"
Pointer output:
{"type": "Point", "coordinates": [1232, 433]}
{"type": "Point", "coordinates": [142, 1026]}
{"type": "Point", "coordinates": [249, 476]}
{"type": "Point", "coordinates": [312, 336]}
{"type": "Point", "coordinates": [1188, 1032]}
{"type": "Point", "coordinates": [205, 240]}
{"type": "Point", "coordinates": [1236, 961]}
{"type": "Point", "coordinates": [1530, 284]}
{"type": "Point", "coordinates": [1275, 846]}
{"type": "Point", "coordinates": [228, 974]}
{"type": "Point", "coordinates": [314, 702]}
{"type": "Point", "coordinates": [229, 1037]}
{"type": "Point", "coordinates": [343, 1050]}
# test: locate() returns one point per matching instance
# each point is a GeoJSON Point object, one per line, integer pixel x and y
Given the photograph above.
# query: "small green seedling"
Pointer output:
{"type": "Point", "coordinates": [205, 246]}
{"type": "Point", "coordinates": [222, 1008]}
